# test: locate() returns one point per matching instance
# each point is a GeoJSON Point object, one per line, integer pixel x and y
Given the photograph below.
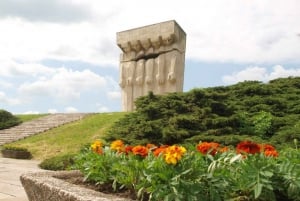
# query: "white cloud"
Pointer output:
{"type": "Point", "coordinates": [280, 71]}
{"type": "Point", "coordinates": [251, 31]}
{"type": "Point", "coordinates": [260, 74]}
{"type": "Point", "coordinates": [65, 84]}
{"type": "Point", "coordinates": [84, 41]}
{"type": "Point", "coordinates": [227, 31]}
{"type": "Point", "coordinates": [52, 111]}
{"type": "Point", "coordinates": [71, 110]}
{"type": "Point", "coordinates": [4, 99]}
{"type": "Point", "coordinates": [4, 84]}
{"type": "Point", "coordinates": [12, 68]}
{"type": "Point", "coordinates": [114, 95]}
{"type": "Point", "coordinates": [250, 73]}
{"type": "Point", "coordinates": [103, 109]}
{"type": "Point", "coordinates": [31, 112]}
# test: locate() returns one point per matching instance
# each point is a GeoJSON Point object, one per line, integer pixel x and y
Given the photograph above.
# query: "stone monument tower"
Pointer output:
{"type": "Point", "coordinates": [152, 59]}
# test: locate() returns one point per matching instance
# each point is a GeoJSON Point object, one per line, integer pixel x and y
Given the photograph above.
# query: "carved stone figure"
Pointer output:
{"type": "Point", "coordinates": [139, 79]}
{"type": "Point", "coordinates": [126, 82]}
{"type": "Point", "coordinates": [152, 59]}
{"type": "Point", "coordinates": [149, 73]}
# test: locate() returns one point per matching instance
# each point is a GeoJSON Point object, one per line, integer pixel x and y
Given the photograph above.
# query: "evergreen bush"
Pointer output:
{"type": "Point", "coordinates": [250, 109]}
{"type": "Point", "coordinates": [8, 120]}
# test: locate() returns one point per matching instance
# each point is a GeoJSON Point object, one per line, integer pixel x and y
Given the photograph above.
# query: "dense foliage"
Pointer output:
{"type": "Point", "coordinates": [8, 120]}
{"type": "Point", "coordinates": [208, 171]}
{"type": "Point", "coordinates": [61, 162]}
{"type": "Point", "coordinates": [226, 114]}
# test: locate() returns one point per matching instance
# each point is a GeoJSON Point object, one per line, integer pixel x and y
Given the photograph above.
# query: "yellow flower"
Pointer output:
{"type": "Point", "coordinates": [173, 154]}
{"type": "Point", "coordinates": [117, 145]}
{"type": "Point", "coordinates": [97, 147]}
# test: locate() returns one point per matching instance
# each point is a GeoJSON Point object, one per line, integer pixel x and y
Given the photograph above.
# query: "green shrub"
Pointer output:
{"type": "Point", "coordinates": [62, 162]}
{"type": "Point", "coordinates": [16, 148]}
{"type": "Point", "coordinates": [8, 120]}
{"type": "Point", "coordinates": [9, 151]}
{"type": "Point", "coordinates": [287, 135]}
{"type": "Point", "coordinates": [250, 109]}
{"type": "Point", "coordinates": [263, 124]}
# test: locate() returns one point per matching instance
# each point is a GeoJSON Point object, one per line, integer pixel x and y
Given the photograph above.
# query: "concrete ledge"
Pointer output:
{"type": "Point", "coordinates": [46, 186]}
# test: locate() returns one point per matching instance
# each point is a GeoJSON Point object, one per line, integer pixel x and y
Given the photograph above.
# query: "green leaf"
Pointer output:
{"type": "Point", "coordinates": [140, 192]}
{"type": "Point", "coordinates": [266, 173]}
{"type": "Point", "coordinates": [257, 190]}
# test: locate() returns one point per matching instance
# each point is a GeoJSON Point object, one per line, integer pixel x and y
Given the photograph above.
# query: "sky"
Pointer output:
{"type": "Point", "coordinates": [60, 56]}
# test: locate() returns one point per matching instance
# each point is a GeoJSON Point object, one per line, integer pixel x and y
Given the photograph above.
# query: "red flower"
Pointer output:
{"type": "Point", "coordinates": [128, 149]}
{"type": "Point", "coordinates": [248, 147]}
{"type": "Point", "coordinates": [208, 147]}
{"type": "Point", "coordinates": [267, 147]}
{"type": "Point", "coordinates": [140, 150]}
{"type": "Point", "coordinates": [160, 150]}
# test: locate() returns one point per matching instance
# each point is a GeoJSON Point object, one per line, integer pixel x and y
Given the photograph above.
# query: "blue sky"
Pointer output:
{"type": "Point", "coordinates": [61, 55]}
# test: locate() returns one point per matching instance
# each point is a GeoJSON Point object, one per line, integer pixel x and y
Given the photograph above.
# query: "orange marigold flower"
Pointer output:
{"type": "Point", "coordinates": [272, 153]}
{"type": "Point", "coordinates": [97, 147]}
{"type": "Point", "coordinates": [173, 154]}
{"type": "Point", "coordinates": [223, 149]}
{"type": "Point", "coordinates": [117, 145]}
{"type": "Point", "coordinates": [248, 147]}
{"type": "Point", "coordinates": [208, 147]}
{"type": "Point", "coordinates": [269, 150]}
{"type": "Point", "coordinates": [140, 150]}
{"type": "Point", "coordinates": [160, 150]}
{"type": "Point", "coordinates": [151, 146]}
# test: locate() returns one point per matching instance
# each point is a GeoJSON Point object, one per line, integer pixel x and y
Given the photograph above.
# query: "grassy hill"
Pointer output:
{"type": "Point", "coordinates": [69, 138]}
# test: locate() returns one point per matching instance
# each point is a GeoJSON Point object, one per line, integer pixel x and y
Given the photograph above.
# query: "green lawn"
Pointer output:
{"type": "Point", "coordinates": [68, 138]}
{"type": "Point", "coordinates": [29, 117]}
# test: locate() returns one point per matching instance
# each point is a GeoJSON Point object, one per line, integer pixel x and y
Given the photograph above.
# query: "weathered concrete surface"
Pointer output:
{"type": "Point", "coordinates": [11, 188]}
{"type": "Point", "coordinates": [152, 59]}
{"type": "Point", "coordinates": [45, 186]}
{"type": "Point", "coordinates": [37, 126]}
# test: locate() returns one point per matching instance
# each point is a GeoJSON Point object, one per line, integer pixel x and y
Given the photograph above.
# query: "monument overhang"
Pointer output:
{"type": "Point", "coordinates": [153, 34]}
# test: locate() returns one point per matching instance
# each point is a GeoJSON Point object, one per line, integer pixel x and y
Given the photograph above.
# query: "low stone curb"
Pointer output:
{"type": "Point", "coordinates": [46, 186]}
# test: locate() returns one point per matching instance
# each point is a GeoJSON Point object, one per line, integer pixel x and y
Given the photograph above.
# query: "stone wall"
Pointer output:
{"type": "Point", "coordinates": [50, 186]}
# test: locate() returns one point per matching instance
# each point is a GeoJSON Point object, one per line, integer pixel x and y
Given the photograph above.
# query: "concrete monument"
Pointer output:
{"type": "Point", "coordinates": [152, 59]}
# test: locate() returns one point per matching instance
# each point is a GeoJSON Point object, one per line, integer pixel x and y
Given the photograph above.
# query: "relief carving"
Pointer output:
{"type": "Point", "coordinates": [152, 60]}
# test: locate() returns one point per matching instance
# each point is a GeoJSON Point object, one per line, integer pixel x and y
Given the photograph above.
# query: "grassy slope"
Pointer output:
{"type": "Point", "coordinates": [68, 138]}
{"type": "Point", "coordinates": [29, 117]}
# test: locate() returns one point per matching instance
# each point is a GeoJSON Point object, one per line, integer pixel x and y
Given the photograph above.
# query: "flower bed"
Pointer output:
{"type": "Point", "coordinates": [208, 171]}
{"type": "Point", "coordinates": [53, 186]}
{"type": "Point", "coordinates": [15, 152]}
